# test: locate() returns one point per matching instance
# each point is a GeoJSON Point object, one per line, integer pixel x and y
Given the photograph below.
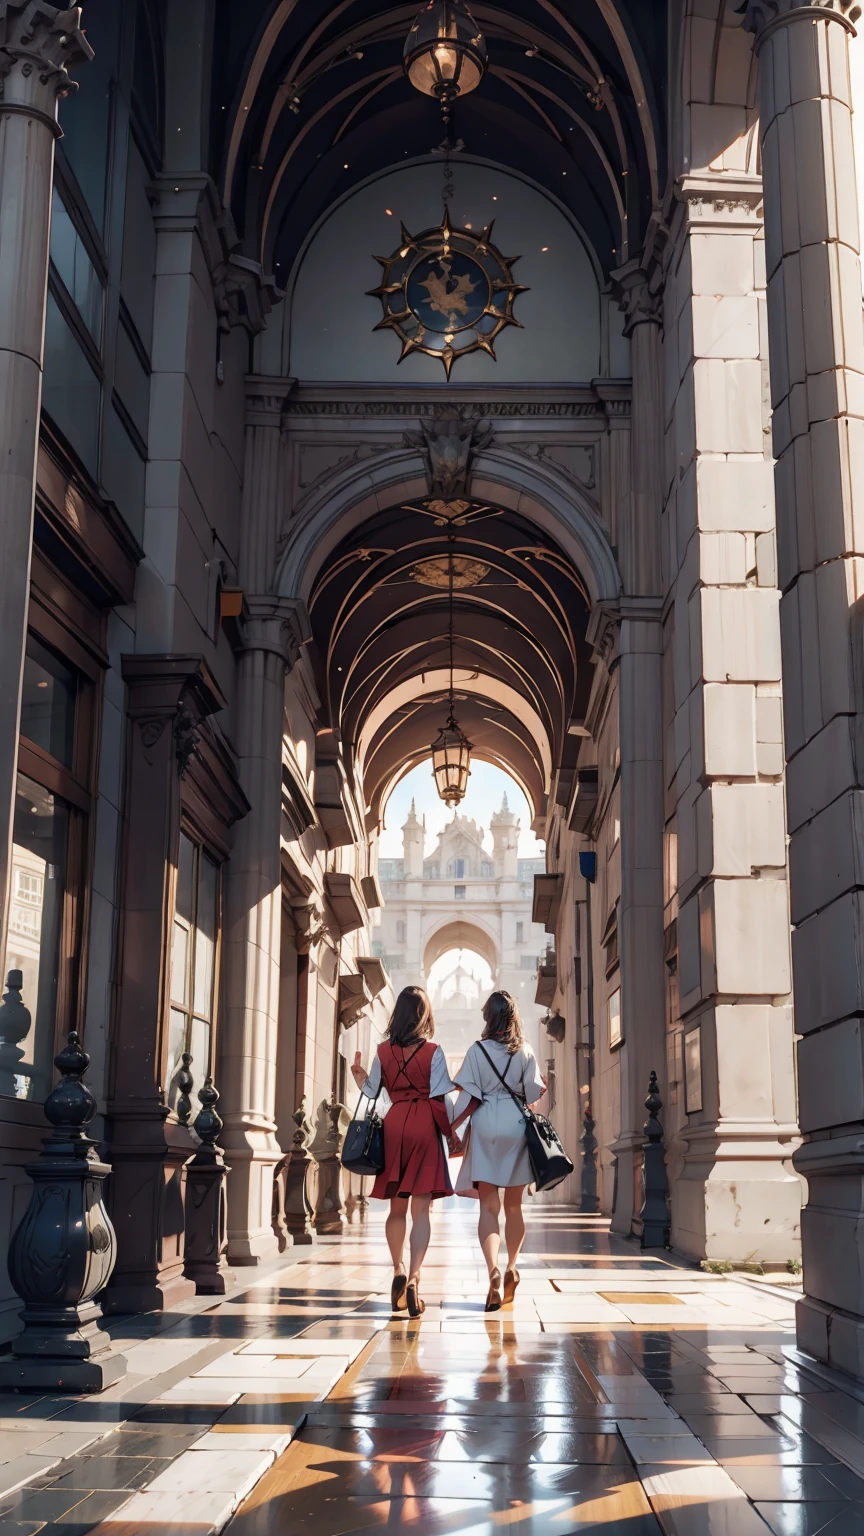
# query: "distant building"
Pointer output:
{"type": "Point", "coordinates": [463, 896]}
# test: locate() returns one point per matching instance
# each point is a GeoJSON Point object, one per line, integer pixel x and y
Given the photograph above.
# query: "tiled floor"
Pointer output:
{"type": "Point", "coordinates": [622, 1394]}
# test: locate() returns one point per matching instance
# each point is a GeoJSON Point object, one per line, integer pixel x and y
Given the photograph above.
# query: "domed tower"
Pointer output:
{"type": "Point", "coordinates": [504, 826]}
{"type": "Point", "coordinates": [413, 838]}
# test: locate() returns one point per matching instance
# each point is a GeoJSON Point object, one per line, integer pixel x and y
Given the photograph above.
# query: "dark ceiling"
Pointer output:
{"type": "Point", "coordinates": [304, 88]}
{"type": "Point", "coordinates": [380, 618]}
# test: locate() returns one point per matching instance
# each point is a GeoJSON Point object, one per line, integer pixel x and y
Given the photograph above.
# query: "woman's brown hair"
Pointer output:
{"type": "Point", "coordinates": [502, 1021]}
{"type": "Point", "coordinates": [411, 1020]}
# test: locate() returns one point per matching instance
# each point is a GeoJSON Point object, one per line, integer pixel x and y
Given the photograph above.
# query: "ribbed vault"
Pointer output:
{"type": "Point", "coordinates": [380, 621]}
{"type": "Point", "coordinates": [310, 100]}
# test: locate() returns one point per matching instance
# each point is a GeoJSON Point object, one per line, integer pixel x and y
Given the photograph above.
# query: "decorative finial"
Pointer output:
{"type": "Point", "coordinates": [207, 1123]}
{"type": "Point", "coordinates": [70, 1106]}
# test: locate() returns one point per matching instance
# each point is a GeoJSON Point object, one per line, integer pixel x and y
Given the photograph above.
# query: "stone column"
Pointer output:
{"type": "Point", "coordinates": [730, 1130]}
{"type": "Point", "coordinates": [249, 1037]}
{"type": "Point", "coordinates": [168, 696]}
{"type": "Point", "coordinates": [640, 648]}
{"type": "Point", "coordinates": [37, 45]}
{"type": "Point", "coordinates": [817, 374]}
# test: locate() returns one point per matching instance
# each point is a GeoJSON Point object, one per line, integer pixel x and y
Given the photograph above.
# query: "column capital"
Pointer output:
{"type": "Point", "coordinates": [38, 43]}
{"type": "Point", "coordinates": [762, 17]}
{"type": "Point", "coordinates": [639, 295]}
{"type": "Point", "coordinates": [276, 624]}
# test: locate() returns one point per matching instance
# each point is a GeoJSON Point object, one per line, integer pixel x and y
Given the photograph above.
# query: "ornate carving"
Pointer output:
{"type": "Point", "coordinates": [186, 737]}
{"type": "Point", "coordinates": [332, 1122]}
{"type": "Point", "coordinates": [760, 15]}
{"type": "Point", "coordinates": [39, 43]}
{"type": "Point", "coordinates": [638, 294]}
{"type": "Point", "coordinates": [448, 444]}
{"type": "Point", "coordinates": [62, 1253]}
{"type": "Point", "coordinates": [421, 409]}
{"type": "Point", "coordinates": [297, 1206]}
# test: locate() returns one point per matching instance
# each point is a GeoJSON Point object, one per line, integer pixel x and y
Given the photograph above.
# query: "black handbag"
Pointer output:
{"type": "Point", "coordinates": [550, 1164]}
{"type": "Point", "coordinates": [363, 1147]}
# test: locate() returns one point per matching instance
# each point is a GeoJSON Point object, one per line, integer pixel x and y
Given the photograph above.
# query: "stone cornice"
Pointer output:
{"type": "Point", "coordinates": [576, 402]}
{"type": "Point", "coordinates": [38, 43]}
{"type": "Point", "coordinates": [266, 400]}
{"type": "Point", "coordinates": [762, 17]}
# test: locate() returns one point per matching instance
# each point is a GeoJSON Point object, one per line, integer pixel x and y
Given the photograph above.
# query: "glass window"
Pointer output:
{"type": "Point", "coordinates": [71, 392]}
{"type": "Point", "coordinates": [75, 269]}
{"type": "Point", "coordinates": [40, 838]}
{"type": "Point", "coordinates": [520, 933]}
{"type": "Point", "coordinates": [193, 964]}
{"type": "Point", "coordinates": [49, 694]}
{"type": "Point", "coordinates": [613, 1008]}
{"type": "Point", "coordinates": [85, 115]}
{"type": "Point", "coordinates": [459, 892]}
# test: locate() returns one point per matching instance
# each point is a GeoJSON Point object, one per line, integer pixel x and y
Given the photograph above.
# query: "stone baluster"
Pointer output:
{"type": "Point", "coordinates": [589, 1203]}
{"type": "Point", "coordinates": [206, 1203]}
{"type": "Point", "coordinates": [63, 1251]}
{"type": "Point", "coordinates": [326, 1149]}
{"type": "Point", "coordinates": [38, 43]}
{"type": "Point", "coordinates": [654, 1220]}
{"type": "Point", "coordinates": [298, 1208]}
{"type": "Point", "coordinates": [280, 1190]}
{"type": "Point", "coordinates": [812, 245]}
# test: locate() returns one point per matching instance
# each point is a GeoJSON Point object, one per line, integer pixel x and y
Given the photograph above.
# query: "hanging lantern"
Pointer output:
{"type": "Point", "coordinates": [451, 762]}
{"type": "Point", "coordinates": [445, 51]}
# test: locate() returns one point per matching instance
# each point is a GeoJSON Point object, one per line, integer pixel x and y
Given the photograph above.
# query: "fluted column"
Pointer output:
{"type": "Point", "coordinates": [640, 647]}
{"type": "Point", "coordinates": [37, 46]}
{"type": "Point", "coordinates": [816, 340]}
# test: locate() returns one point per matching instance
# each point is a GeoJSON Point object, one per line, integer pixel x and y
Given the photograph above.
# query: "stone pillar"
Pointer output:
{"type": "Point", "coordinates": [38, 43]}
{"type": "Point", "coordinates": [640, 647]}
{"type": "Point", "coordinates": [817, 373]}
{"type": "Point", "coordinates": [730, 1122]}
{"type": "Point", "coordinates": [168, 696]}
{"type": "Point", "coordinates": [249, 1037]}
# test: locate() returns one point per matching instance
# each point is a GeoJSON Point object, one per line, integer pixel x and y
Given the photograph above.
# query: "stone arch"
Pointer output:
{"type": "Point", "coordinates": [714, 118]}
{"type": "Point", "coordinates": [457, 933]}
{"type": "Point", "coordinates": [538, 490]}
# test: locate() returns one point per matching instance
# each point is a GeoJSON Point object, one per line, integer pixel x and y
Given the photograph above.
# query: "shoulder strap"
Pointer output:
{"type": "Point", "coordinates": [402, 1067]}
{"type": "Point", "coordinates": [514, 1096]}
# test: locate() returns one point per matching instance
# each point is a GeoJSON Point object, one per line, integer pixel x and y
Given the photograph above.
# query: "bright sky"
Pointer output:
{"type": "Point", "coordinates": [486, 789]}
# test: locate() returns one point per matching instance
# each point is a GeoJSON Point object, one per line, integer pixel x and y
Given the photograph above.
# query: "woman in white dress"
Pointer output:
{"type": "Point", "coordinates": [495, 1153]}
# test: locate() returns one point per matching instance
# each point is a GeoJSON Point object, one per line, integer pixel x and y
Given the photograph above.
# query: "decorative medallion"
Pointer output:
{"type": "Point", "coordinates": [447, 292]}
{"type": "Point", "coordinates": [437, 570]}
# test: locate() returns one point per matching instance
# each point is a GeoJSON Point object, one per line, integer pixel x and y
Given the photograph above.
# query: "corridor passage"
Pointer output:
{"type": "Point", "coordinates": [623, 1394]}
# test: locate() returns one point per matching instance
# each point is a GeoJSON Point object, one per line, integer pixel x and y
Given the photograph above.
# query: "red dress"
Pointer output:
{"type": "Point", "coordinates": [414, 1161]}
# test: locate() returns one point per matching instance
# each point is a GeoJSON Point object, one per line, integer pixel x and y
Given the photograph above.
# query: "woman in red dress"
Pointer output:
{"type": "Point", "coordinates": [413, 1070]}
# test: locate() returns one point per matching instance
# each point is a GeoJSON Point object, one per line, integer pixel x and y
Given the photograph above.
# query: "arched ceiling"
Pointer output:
{"type": "Point", "coordinates": [310, 100]}
{"type": "Point", "coordinates": [380, 621]}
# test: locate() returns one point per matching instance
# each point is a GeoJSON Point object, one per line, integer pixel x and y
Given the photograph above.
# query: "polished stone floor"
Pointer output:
{"type": "Point", "coordinates": [622, 1393]}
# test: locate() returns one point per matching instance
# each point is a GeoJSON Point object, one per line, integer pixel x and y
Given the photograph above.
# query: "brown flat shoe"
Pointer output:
{"type": "Point", "coordinates": [493, 1295]}
{"type": "Point", "coordinates": [511, 1280]}
{"type": "Point", "coordinates": [416, 1307]}
{"type": "Point", "coordinates": [397, 1293]}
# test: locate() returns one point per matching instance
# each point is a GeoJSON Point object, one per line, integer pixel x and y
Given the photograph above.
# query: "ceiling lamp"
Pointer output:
{"type": "Point", "coordinates": [451, 749]}
{"type": "Point", "coordinates": [445, 52]}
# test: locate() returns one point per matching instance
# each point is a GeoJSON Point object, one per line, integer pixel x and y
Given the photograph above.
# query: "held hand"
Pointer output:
{"type": "Point", "coordinates": [357, 1071]}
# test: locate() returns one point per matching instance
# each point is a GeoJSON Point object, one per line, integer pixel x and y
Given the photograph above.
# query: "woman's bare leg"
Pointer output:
{"type": "Point", "coordinates": [514, 1223]}
{"type": "Point", "coordinates": [421, 1231]}
{"type": "Point", "coordinates": [487, 1227]}
{"type": "Point", "coordinates": [395, 1228]}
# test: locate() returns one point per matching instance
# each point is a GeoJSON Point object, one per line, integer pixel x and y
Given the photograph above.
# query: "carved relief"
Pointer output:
{"type": "Point", "coordinates": [42, 42]}
{"type": "Point", "coordinates": [448, 444]}
{"type": "Point", "coordinates": [575, 459]}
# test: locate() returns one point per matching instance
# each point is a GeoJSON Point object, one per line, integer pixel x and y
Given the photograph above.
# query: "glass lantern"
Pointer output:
{"type": "Point", "coordinates": [445, 51]}
{"type": "Point", "coordinates": [451, 763]}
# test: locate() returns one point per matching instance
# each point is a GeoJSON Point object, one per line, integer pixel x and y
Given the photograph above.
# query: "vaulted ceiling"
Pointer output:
{"type": "Point", "coordinates": [310, 99]}
{"type": "Point", "coordinates": [380, 616]}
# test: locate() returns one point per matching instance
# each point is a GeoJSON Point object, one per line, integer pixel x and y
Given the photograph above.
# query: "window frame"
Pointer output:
{"type": "Point", "coordinates": [203, 846]}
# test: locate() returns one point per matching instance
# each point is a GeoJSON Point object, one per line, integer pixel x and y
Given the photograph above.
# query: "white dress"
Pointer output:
{"type": "Point", "coordinates": [496, 1152]}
